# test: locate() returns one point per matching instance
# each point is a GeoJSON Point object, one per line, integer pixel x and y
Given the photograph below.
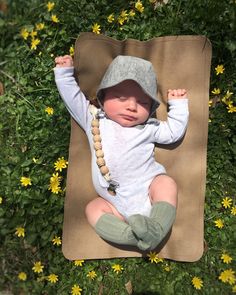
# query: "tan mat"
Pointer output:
{"type": "Point", "coordinates": [180, 62]}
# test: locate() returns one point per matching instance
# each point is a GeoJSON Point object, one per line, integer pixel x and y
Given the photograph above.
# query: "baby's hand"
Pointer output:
{"type": "Point", "coordinates": [176, 93]}
{"type": "Point", "coordinates": [64, 61]}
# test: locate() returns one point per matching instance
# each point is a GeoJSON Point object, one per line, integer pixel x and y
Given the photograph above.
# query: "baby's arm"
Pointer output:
{"type": "Point", "coordinates": [174, 127]}
{"type": "Point", "coordinates": [69, 90]}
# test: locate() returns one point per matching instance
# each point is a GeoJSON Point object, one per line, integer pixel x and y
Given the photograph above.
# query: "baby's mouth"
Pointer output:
{"type": "Point", "coordinates": [128, 117]}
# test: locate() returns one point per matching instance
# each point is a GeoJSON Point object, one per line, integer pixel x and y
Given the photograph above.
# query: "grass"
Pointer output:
{"type": "Point", "coordinates": [32, 140]}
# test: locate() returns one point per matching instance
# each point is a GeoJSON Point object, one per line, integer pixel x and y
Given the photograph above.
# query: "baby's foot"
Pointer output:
{"type": "Point", "coordinates": [152, 230]}
{"type": "Point", "coordinates": [147, 230]}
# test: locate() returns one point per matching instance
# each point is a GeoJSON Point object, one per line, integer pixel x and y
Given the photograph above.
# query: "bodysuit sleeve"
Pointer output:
{"type": "Point", "coordinates": [73, 97]}
{"type": "Point", "coordinates": [175, 126]}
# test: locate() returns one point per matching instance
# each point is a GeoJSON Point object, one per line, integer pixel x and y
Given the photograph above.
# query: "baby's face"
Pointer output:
{"type": "Point", "coordinates": [127, 104]}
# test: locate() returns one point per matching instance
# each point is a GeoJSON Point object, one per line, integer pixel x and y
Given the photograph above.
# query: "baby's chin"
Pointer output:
{"type": "Point", "coordinates": [127, 123]}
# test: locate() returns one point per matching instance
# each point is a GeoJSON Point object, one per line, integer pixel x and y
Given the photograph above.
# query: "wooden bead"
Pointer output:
{"type": "Point", "coordinates": [95, 123]}
{"type": "Point", "coordinates": [95, 131]}
{"type": "Point", "coordinates": [99, 153]}
{"type": "Point", "coordinates": [104, 170]}
{"type": "Point", "coordinates": [97, 137]}
{"type": "Point", "coordinates": [101, 162]}
{"type": "Point", "coordinates": [111, 192]}
{"type": "Point", "coordinates": [97, 146]}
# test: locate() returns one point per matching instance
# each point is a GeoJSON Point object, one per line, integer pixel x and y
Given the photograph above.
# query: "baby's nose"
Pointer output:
{"type": "Point", "coordinates": [132, 104]}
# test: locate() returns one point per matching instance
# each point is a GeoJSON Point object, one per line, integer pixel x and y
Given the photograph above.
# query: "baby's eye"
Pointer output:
{"type": "Point", "coordinates": [121, 97]}
{"type": "Point", "coordinates": [143, 103]}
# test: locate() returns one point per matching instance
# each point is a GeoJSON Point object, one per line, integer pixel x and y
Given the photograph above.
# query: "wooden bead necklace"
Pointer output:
{"type": "Point", "coordinates": [97, 144]}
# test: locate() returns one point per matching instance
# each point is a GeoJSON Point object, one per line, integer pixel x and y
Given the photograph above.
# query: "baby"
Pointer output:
{"type": "Point", "coordinates": [137, 199]}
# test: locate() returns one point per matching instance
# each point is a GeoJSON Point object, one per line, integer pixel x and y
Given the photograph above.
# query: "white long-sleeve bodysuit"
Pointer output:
{"type": "Point", "coordinates": [128, 151]}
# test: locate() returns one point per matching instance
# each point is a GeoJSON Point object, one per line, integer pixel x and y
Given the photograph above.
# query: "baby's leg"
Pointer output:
{"type": "Point", "coordinates": [109, 223]}
{"type": "Point", "coordinates": [98, 207]}
{"type": "Point", "coordinates": [163, 188]}
{"type": "Point", "coordinates": [163, 195]}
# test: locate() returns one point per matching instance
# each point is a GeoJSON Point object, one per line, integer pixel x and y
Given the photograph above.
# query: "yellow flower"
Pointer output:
{"type": "Point", "coordinates": [121, 21]}
{"type": "Point", "coordinates": [72, 50]}
{"type": "Point", "coordinates": [96, 28]}
{"type": "Point", "coordinates": [24, 34]}
{"type": "Point", "coordinates": [110, 18]}
{"type": "Point", "coordinates": [76, 290]}
{"type": "Point", "coordinates": [219, 223]}
{"type": "Point", "coordinates": [234, 289]}
{"type": "Point", "coordinates": [228, 94]}
{"type": "Point", "coordinates": [227, 202]}
{"type": "Point", "coordinates": [55, 188]}
{"type": "Point", "coordinates": [78, 262]}
{"type": "Point", "coordinates": [226, 258]}
{"type": "Point", "coordinates": [20, 232]}
{"type": "Point", "coordinates": [49, 110]}
{"type": "Point", "coordinates": [33, 34]}
{"type": "Point", "coordinates": [25, 181]}
{"type": "Point", "coordinates": [55, 178]}
{"type": "Point", "coordinates": [210, 103]}
{"type": "Point", "coordinates": [92, 274]}
{"type": "Point", "coordinates": [231, 109]}
{"type": "Point", "coordinates": [54, 18]}
{"type": "Point", "coordinates": [60, 164]}
{"type": "Point", "coordinates": [227, 276]}
{"type": "Point", "coordinates": [54, 185]}
{"type": "Point", "coordinates": [216, 91]}
{"type": "Point", "coordinates": [225, 98]}
{"type": "Point", "coordinates": [132, 13]}
{"type": "Point", "coordinates": [38, 267]}
{"type": "Point", "coordinates": [124, 14]}
{"type": "Point", "coordinates": [40, 26]}
{"type": "Point", "coordinates": [153, 257]}
{"type": "Point", "coordinates": [56, 241]}
{"type": "Point", "coordinates": [197, 283]}
{"type": "Point", "coordinates": [1, 199]}
{"type": "Point", "coordinates": [233, 210]}
{"type": "Point", "coordinates": [35, 160]}
{"type": "Point", "coordinates": [52, 278]}
{"type": "Point", "coordinates": [123, 17]}
{"type": "Point", "coordinates": [34, 43]}
{"type": "Point", "coordinates": [167, 268]}
{"type": "Point", "coordinates": [117, 268]}
{"type": "Point", "coordinates": [22, 276]}
{"type": "Point", "coordinates": [50, 6]}
{"type": "Point", "coordinates": [139, 6]}
{"type": "Point", "coordinates": [219, 69]}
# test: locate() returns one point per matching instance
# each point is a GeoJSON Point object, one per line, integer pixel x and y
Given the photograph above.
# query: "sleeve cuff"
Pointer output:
{"type": "Point", "coordinates": [63, 72]}
{"type": "Point", "coordinates": [179, 101]}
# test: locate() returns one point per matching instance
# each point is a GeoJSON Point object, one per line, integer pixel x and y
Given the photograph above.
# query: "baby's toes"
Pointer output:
{"type": "Point", "coordinates": [143, 245]}
{"type": "Point", "coordinates": [138, 225]}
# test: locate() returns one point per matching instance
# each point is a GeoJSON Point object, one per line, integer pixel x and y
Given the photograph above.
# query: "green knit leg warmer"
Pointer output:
{"type": "Point", "coordinates": [111, 228]}
{"type": "Point", "coordinates": [152, 230]}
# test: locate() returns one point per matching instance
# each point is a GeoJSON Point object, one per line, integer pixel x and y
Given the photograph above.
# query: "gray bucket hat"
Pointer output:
{"type": "Point", "coordinates": [125, 67]}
